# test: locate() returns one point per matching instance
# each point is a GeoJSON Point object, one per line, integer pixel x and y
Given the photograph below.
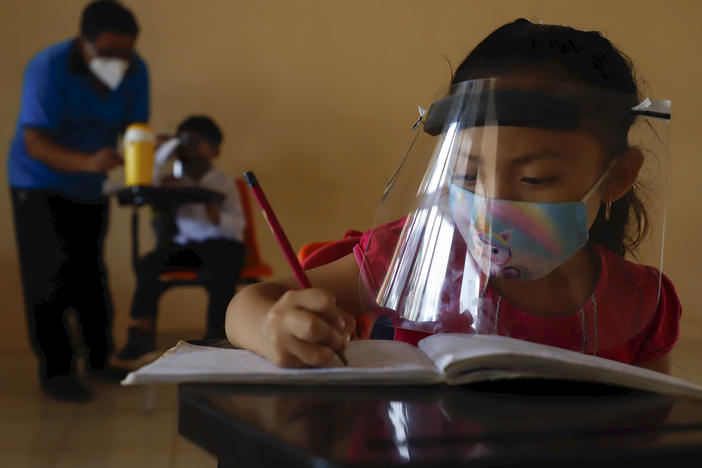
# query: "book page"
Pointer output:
{"type": "Point", "coordinates": [467, 358]}
{"type": "Point", "coordinates": [447, 349]}
{"type": "Point", "coordinates": [370, 362]}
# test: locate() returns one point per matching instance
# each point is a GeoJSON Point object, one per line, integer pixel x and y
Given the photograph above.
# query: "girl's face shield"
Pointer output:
{"type": "Point", "coordinates": [500, 194]}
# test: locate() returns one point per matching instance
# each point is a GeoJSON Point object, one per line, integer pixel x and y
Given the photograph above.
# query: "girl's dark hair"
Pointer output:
{"type": "Point", "coordinates": [107, 16]}
{"type": "Point", "coordinates": [588, 58]}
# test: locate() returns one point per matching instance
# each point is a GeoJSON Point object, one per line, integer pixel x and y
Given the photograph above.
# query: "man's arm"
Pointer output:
{"type": "Point", "coordinates": [43, 147]}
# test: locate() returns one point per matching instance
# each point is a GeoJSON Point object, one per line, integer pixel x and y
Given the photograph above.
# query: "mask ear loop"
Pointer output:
{"type": "Point", "coordinates": [595, 186]}
{"type": "Point", "coordinates": [598, 182]}
{"type": "Point", "coordinates": [658, 108]}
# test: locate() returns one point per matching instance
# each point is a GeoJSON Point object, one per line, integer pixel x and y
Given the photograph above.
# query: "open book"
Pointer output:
{"type": "Point", "coordinates": [443, 358]}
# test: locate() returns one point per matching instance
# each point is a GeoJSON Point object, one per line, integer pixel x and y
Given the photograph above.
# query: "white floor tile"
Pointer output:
{"type": "Point", "coordinates": [187, 455]}
{"type": "Point", "coordinates": [116, 455]}
{"type": "Point", "coordinates": [27, 459]}
{"type": "Point", "coordinates": [97, 429]}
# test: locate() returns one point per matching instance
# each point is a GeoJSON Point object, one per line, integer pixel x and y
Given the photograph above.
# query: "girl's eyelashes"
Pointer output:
{"type": "Point", "coordinates": [539, 180]}
{"type": "Point", "coordinates": [470, 179]}
{"type": "Point", "coordinates": [466, 179]}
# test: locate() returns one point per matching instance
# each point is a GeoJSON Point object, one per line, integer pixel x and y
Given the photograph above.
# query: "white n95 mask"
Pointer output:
{"type": "Point", "coordinates": [109, 70]}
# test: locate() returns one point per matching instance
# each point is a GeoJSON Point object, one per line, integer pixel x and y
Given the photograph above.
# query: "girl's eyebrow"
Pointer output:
{"type": "Point", "coordinates": [521, 160]}
{"type": "Point", "coordinates": [543, 154]}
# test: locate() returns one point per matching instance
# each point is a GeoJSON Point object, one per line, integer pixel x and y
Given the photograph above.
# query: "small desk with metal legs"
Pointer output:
{"type": "Point", "coordinates": [165, 201]}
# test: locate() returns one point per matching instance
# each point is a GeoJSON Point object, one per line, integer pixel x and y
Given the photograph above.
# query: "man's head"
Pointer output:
{"type": "Point", "coordinates": [108, 29]}
{"type": "Point", "coordinates": [108, 34]}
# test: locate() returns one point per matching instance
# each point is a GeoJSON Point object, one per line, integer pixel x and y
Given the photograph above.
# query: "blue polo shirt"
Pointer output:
{"type": "Point", "coordinates": [59, 95]}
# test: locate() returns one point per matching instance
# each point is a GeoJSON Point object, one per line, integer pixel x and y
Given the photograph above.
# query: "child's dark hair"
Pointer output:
{"type": "Point", "coordinates": [585, 57]}
{"type": "Point", "coordinates": [107, 16]}
{"type": "Point", "coordinates": [203, 126]}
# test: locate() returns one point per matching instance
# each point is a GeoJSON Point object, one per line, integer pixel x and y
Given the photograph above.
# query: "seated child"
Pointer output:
{"type": "Point", "coordinates": [209, 238]}
{"type": "Point", "coordinates": [563, 155]}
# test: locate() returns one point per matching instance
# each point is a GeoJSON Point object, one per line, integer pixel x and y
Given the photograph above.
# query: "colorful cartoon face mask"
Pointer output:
{"type": "Point", "coordinates": [517, 239]}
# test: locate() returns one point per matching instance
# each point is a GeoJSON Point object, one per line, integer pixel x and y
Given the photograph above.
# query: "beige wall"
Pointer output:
{"type": "Point", "coordinates": [317, 97]}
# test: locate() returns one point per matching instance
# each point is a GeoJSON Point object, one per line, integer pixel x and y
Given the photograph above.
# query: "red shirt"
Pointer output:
{"type": "Point", "coordinates": [629, 318]}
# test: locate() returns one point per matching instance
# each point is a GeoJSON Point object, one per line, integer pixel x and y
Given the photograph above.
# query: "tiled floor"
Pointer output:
{"type": "Point", "coordinates": [114, 430]}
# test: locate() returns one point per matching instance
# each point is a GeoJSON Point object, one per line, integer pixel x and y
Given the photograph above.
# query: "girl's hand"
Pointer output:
{"type": "Point", "coordinates": [304, 328]}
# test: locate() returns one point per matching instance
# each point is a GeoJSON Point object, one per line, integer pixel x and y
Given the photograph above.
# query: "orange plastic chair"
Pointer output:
{"type": "Point", "coordinates": [254, 267]}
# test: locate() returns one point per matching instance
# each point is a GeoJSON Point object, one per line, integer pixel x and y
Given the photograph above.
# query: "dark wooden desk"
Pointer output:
{"type": "Point", "coordinates": [165, 198]}
{"type": "Point", "coordinates": [279, 426]}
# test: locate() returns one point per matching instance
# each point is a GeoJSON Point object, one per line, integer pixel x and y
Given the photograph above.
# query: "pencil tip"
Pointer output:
{"type": "Point", "coordinates": [341, 356]}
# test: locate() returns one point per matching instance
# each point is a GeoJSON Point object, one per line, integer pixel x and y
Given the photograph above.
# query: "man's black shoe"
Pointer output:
{"type": "Point", "coordinates": [66, 388]}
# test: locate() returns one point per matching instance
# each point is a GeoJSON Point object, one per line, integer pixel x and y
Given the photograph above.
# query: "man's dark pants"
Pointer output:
{"type": "Point", "coordinates": [60, 247]}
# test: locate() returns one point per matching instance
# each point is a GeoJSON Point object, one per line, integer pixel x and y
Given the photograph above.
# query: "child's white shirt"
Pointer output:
{"type": "Point", "coordinates": [192, 221]}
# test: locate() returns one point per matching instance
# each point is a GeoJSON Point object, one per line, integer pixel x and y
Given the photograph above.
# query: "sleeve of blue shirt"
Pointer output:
{"type": "Point", "coordinates": [139, 111]}
{"type": "Point", "coordinates": [42, 103]}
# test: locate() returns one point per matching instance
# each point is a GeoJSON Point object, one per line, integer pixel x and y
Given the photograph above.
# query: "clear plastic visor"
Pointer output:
{"type": "Point", "coordinates": [517, 211]}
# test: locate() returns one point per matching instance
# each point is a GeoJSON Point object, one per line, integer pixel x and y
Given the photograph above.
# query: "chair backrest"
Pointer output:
{"type": "Point", "coordinates": [254, 266]}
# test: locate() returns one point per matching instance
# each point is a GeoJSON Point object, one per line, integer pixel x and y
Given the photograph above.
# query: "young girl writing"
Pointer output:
{"type": "Point", "coordinates": [521, 224]}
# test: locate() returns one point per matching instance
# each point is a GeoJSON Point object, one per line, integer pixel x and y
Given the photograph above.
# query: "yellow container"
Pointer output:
{"type": "Point", "coordinates": [139, 147]}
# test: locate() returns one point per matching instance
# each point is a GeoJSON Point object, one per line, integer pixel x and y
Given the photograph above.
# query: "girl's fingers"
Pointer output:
{"type": "Point", "coordinates": [323, 304]}
{"type": "Point", "coordinates": [349, 325]}
{"type": "Point", "coordinates": [309, 353]}
{"type": "Point", "coordinates": [310, 327]}
{"type": "Point", "coordinates": [343, 322]}
{"type": "Point", "coordinates": [315, 300]}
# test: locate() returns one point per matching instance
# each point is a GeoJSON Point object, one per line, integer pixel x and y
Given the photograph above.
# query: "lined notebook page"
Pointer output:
{"type": "Point", "coordinates": [370, 361]}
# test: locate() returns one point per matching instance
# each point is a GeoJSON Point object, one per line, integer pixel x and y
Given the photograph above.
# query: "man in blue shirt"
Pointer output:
{"type": "Point", "coordinates": [77, 97]}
